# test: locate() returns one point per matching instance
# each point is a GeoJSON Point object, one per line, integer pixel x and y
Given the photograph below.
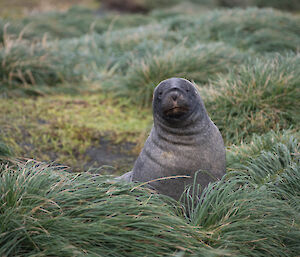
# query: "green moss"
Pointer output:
{"type": "Point", "coordinates": [63, 127]}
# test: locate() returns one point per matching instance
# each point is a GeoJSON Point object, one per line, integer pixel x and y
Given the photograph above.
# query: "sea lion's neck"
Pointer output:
{"type": "Point", "coordinates": [186, 132]}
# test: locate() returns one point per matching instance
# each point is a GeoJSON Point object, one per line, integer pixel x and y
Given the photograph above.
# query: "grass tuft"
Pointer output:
{"type": "Point", "coordinates": [46, 212]}
{"type": "Point", "coordinates": [260, 30]}
{"type": "Point", "coordinates": [198, 63]}
{"type": "Point", "coordinates": [254, 210]}
{"type": "Point", "coordinates": [238, 155]}
{"type": "Point", "coordinates": [256, 98]}
{"type": "Point", "coordinates": [34, 64]}
{"type": "Point", "coordinates": [75, 22]}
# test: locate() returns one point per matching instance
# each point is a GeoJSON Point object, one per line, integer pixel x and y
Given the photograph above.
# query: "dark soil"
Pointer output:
{"type": "Point", "coordinates": [110, 158]}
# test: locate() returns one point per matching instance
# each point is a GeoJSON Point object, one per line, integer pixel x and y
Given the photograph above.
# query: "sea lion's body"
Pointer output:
{"type": "Point", "coordinates": [183, 140]}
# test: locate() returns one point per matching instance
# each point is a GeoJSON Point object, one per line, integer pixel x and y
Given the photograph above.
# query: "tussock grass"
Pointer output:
{"type": "Point", "coordinates": [5, 150]}
{"type": "Point", "coordinates": [269, 162]}
{"type": "Point", "coordinates": [87, 58]}
{"type": "Point", "coordinates": [256, 98]}
{"type": "Point", "coordinates": [108, 47]}
{"type": "Point", "coordinates": [77, 21]}
{"type": "Point", "coordinates": [198, 63]}
{"type": "Point", "coordinates": [252, 211]}
{"type": "Point", "coordinates": [260, 30]}
{"type": "Point", "coordinates": [276, 169]}
{"type": "Point", "coordinates": [246, 219]}
{"type": "Point", "coordinates": [255, 208]}
{"type": "Point", "coordinates": [34, 64]}
{"type": "Point", "coordinates": [241, 154]}
{"type": "Point", "coordinates": [46, 212]}
{"type": "Point", "coordinates": [7, 30]}
{"type": "Point", "coordinates": [119, 49]}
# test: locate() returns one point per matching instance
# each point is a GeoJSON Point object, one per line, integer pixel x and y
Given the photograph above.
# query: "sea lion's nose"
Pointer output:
{"type": "Point", "coordinates": [174, 95]}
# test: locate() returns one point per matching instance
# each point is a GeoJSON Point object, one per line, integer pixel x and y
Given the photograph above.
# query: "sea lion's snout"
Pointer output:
{"type": "Point", "coordinates": [175, 104]}
{"type": "Point", "coordinates": [174, 95]}
{"type": "Point", "coordinates": [175, 99]}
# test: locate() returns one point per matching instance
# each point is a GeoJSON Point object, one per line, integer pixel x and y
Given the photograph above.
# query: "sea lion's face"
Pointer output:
{"type": "Point", "coordinates": [174, 99]}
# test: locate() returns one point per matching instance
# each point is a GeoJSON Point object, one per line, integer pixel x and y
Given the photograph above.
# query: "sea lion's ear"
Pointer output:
{"type": "Point", "coordinates": [195, 86]}
{"type": "Point", "coordinates": [155, 88]}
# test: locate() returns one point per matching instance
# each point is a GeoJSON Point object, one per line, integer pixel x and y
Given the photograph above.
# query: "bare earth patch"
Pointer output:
{"type": "Point", "coordinates": [82, 132]}
{"type": "Point", "coordinates": [110, 157]}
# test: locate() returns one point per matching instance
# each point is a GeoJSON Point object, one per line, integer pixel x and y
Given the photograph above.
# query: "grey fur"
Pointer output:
{"type": "Point", "coordinates": [180, 142]}
{"type": "Point", "coordinates": [125, 177]}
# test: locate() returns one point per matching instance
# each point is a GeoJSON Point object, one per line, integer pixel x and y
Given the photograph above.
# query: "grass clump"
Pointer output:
{"type": "Point", "coordinates": [241, 154]}
{"type": "Point", "coordinates": [198, 63]}
{"type": "Point", "coordinates": [47, 212]}
{"type": "Point", "coordinates": [247, 220]}
{"type": "Point", "coordinates": [32, 66]}
{"type": "Point", "coordinates": [119, 49]}
{"type": "Point", "coordinates": [139, 55]}
{"type": "Point", "coordinates": [75, 22]}
{"type": "Point", "coordinates": [35, 64]}
{"type": "Point", "coordinates": [276, 169]}
{"type": "Point", "coordinates": [260, 30]}
{"type": "Point", "coordinates": [256, 98]}
{"type": "Point", "coordinates": [4, 150]}
{"type": "Point", "coordinates": [254, 209]}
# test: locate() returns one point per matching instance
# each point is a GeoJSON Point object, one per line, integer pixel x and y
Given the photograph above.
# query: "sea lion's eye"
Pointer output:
{"type": "Point", "coordinates": [159, 93]}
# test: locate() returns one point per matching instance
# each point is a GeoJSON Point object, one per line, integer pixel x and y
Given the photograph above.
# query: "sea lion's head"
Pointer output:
{"type": "Point", "coordinates": [175, 99]}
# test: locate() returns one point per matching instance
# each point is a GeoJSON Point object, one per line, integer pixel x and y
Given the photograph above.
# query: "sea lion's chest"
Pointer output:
{"type": "Point", "coordinates": [176, 154]}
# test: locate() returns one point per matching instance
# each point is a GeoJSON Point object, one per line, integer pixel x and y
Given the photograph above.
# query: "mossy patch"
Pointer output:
{"type": "Point", "coordinates": [63, 128]}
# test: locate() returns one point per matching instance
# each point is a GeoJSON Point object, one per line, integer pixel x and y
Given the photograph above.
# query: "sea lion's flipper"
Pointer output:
{"type": "Point", "coordinates": [127, 177]}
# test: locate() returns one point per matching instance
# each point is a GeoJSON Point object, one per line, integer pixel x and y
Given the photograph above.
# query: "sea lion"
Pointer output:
{"type": "Point", "coordinates": [183, 140]}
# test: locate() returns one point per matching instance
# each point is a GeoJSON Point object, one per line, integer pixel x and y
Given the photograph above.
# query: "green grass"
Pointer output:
{"type": "Point", "coordinates": [246, 89]}
{"type": "Point", "coordinates": [23, 64]}
{"type": "Point", "coordinates": [199, 63]}
{"type": "Point", "coordinates": [61, 78]}
{"type": "Point", "coordinates": [252, 211]}
{"type": "Point", "coordinates": [109, 47]}
{"type": "Point", "coordinates": [238, 155]}
{"type": "Point", "coordinates": [75, 22]}
{"type": "Point", "coordinates": [28, 66]}
{"type": "Point", "coordinates": [258, 30]}
{"type": "Point", "coordinates": [5, 152]}
{"type": "Point", "coordinates": [256, 98]}
{"type": "Point", "coordinates": [48, 212]}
